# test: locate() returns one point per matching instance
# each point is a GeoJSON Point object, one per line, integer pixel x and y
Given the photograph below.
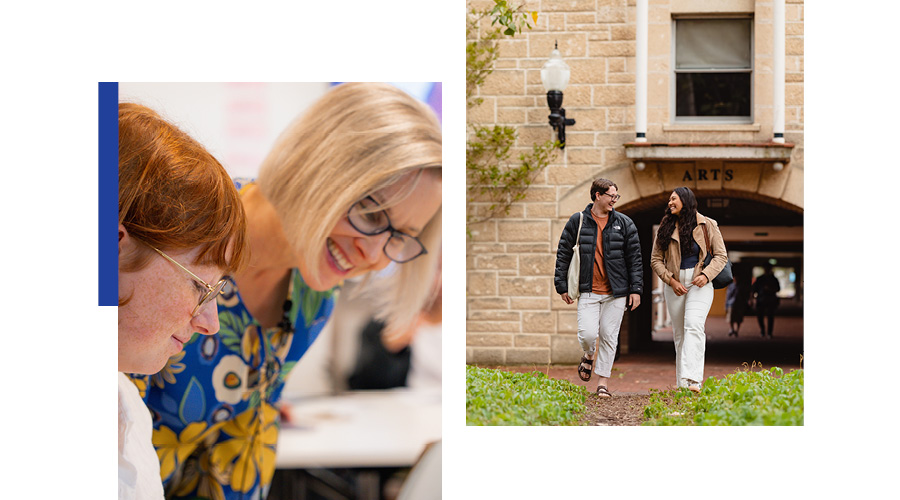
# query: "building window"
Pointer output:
{"type": "Point", "coordinates": [713, 70]}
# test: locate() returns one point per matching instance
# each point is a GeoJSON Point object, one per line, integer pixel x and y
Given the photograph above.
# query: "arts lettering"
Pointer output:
{"type": "Point", "coordinates": [705, 175]}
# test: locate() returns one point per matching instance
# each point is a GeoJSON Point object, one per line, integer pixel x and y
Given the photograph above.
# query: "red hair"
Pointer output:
{"type": "Point", "coordinates": [173, 194]}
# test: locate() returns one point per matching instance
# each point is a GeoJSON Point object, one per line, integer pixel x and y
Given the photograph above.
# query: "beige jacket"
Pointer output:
{"type": "Point", "coordinates": [667, 265]}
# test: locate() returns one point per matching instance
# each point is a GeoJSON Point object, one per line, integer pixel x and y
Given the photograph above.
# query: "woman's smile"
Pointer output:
{"type": "Point", "coordinates": [342, 263]}
{"type": "Point", "coordinates": [675, 203]}
{"type": "Point", "coordinates": [350, 253]}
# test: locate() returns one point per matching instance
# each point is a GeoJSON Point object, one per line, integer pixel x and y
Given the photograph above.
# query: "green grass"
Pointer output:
{"type": "Point", "coordinates": [497, 397]}
{"type": "Point", "coordinates": [763, 397]}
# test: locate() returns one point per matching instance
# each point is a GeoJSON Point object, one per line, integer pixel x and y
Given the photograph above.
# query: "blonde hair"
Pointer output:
{"type": "Point", "coordinates": [357, 139]}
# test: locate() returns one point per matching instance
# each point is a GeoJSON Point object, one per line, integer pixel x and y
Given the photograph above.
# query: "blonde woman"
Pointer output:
{"type": "Point", "coordinates": [351, 186]}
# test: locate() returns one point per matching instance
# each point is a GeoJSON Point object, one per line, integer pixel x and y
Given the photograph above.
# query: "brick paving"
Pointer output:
{"type": "Point", "coordinates": [637, 373]}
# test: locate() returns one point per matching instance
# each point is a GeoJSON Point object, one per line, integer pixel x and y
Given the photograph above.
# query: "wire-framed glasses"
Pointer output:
{"type": "Point", "coordinates": [211, 291]}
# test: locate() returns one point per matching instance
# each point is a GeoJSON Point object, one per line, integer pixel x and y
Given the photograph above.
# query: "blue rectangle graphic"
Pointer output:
{"type": "Point", "coordinates": [108, 206]}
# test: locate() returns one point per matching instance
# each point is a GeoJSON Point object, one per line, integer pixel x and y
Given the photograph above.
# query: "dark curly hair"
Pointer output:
{"type": "Point", "coordinates": [686, 221]}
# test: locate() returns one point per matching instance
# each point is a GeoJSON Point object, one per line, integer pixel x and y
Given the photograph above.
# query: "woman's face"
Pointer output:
{"type": "Point", "coordinates": [155, 324]}
{"type": "Point", "coordinates": [349, 253]}
{"type": "Point", "coordinates": [675, 204]}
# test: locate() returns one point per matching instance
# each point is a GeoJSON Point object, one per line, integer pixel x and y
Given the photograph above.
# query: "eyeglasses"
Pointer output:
{"type": "Point", "coordinates": [211, 291]}
{"type": "Point", "coordinates": [614, 197]}
{"type": "Point", "coordinates": [366, 218]}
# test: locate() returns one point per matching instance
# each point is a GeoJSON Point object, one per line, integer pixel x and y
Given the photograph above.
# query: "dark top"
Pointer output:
{"type": "Point", "coordinates": [621, 253]}
{"type": "Point", "coordinates": [377, 367]}
{"type": "Point", "coordinates": [690, 260]}
{"type": "Point", "coordinates": [766, 288]}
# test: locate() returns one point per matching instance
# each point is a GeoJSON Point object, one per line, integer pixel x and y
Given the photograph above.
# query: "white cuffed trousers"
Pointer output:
{"type": "Point", "coordinates": [688, 314]}
{"type": "Point", "coordinates": [600, 316]}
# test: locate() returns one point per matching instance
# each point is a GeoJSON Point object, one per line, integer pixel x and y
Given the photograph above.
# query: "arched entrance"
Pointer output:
{"type": "Point", "coordinates": [756, 229]}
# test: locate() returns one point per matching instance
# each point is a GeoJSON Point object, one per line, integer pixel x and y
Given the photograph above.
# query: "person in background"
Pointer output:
{"type": "Point", "coordinates": [679, 252]}
{"type": "Point", "coordinates": [349, 187]}
{"type": "Point", "coordinates": [736, 298]}
{"type": "Point", "coordinates": [765, 298]}
{"type": "Point", "coordinates": [611, 277]}
{"type": "Point", "coordinates": [408, 359]}
{"type": "Point", "coordinates": [353, 353]}
{"type": "Point", "coordinates": [425, 369]}
{"type": "Point", "coordinates": [181, 230]}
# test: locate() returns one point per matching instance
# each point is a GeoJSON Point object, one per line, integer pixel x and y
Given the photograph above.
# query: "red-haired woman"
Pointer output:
{"type": "Point", "coordinates": [182, 229]}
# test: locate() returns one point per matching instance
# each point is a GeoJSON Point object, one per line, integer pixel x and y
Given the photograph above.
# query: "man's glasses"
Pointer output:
{"type": "Point", "coordinates": [366, 218]}
{"type": "Point", "coordinates": [614, 197]}
{"type": "Point", "coordinates": [211, 291]}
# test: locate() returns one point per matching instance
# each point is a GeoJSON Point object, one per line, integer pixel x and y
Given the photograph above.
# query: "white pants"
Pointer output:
{"type": "Point", "coordinates": [688, 314]}
{"type": "Point", "coordinates": [600, 316]}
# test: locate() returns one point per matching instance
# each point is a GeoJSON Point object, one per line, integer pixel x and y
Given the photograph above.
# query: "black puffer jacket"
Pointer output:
{"type": "Point", "coordinates": [621, 254]}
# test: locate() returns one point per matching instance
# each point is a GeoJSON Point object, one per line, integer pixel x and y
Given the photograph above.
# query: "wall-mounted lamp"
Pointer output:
{"type": "Point", "coordinates": [640, 166]}
{"type": "Point", "coordinates": [555, 77]}
{"type": "Point", "coordinates": [778, 166]}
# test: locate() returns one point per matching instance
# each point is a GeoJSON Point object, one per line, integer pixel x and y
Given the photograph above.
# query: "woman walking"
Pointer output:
{"type": "Point", "coordinates": [677, 258]}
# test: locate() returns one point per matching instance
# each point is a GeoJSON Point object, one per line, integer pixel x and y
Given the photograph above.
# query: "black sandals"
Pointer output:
{"type": "Point", "coordinates": [585, 373]}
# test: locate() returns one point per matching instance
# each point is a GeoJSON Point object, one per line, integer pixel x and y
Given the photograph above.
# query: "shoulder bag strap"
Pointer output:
{"type": "Point", "coordinates": [580, 220]}
{"type": "Point", "coordinates": [706, 237]}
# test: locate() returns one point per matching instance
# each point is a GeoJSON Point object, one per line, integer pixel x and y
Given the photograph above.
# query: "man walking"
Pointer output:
{"type": "Point", "coordinates": [611, 277]}
{"type": "Point", "coordinates": [765, 291]}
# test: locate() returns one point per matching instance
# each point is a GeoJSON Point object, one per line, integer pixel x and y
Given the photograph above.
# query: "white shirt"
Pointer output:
{"type": "Point", "coordinates": [425, 360]}
{"type": "Point", "coordinates": [138, 463]}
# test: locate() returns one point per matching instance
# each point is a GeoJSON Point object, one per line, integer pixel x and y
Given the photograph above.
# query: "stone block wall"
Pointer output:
{"type": "Point", "coordinates": [514, 315]}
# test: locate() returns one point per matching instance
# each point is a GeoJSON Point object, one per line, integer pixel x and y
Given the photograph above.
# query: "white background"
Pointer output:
{"type": "Point", "coordinates": [237, 122]}
{"type": "Point", "coordinates": [59, 407]}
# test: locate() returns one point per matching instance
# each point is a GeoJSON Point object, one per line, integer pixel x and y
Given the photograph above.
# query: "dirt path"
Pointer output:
{"type": "Point", "coordinates": [626, 409]}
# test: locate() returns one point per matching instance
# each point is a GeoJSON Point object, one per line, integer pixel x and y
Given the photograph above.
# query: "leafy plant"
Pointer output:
{"type": "Point", "coordinates": [481, 50]}
{"type": "Point", "coordinates": [491, 176]}
{"type": "Point", "coordinates": [751, 396]}
{"type": "Point", "coordinates": [513, 18]}
{"type": "Point", "coordinates": [497, 397]}
{"type": "Point", "coordinates": [481, 54]}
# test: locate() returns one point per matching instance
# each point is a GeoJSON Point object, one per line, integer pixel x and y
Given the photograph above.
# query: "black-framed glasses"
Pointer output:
{"type": "Point", "coordinates": [211, 291]}
{"type": "Point", "coordinates": [614, 197]}
{"type": "Point", "coordinates": [368, 219]}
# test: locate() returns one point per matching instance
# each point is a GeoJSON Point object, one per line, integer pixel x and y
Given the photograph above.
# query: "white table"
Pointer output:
{"type": "Point", "coordinates": [359, 429]}
{"type": "Point", "coordinates": [338, 446]}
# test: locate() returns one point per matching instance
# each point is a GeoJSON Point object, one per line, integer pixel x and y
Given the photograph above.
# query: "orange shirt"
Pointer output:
{"type": "Point", "coordinates": [600, 284]}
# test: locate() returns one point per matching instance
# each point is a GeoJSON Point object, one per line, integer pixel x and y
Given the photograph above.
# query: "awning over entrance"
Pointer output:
{"type": "Point", "coordinates": [752, 151]}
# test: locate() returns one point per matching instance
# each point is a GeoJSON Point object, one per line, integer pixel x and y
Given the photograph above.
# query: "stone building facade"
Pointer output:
{"type": "Point", "coordinates": [514, 315]}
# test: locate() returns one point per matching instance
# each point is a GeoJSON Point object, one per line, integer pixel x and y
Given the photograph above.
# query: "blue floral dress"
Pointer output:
{"type": "Point", "coordinates": [215, 424]}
